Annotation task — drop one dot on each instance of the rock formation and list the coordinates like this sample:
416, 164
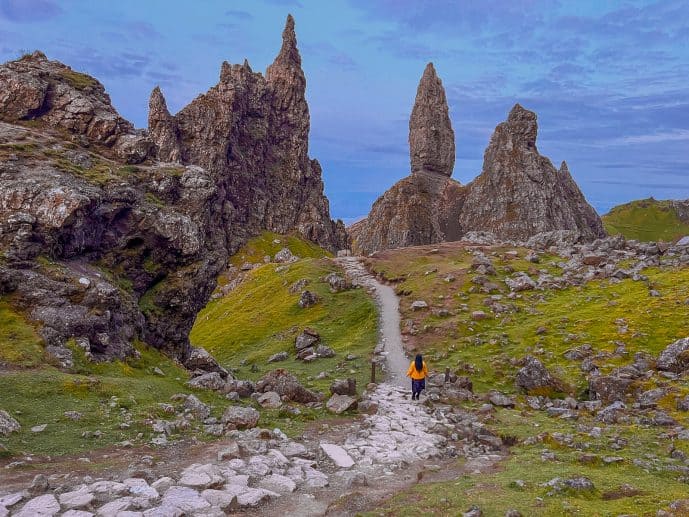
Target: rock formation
101, 254
431, 138
421, 208
519, 193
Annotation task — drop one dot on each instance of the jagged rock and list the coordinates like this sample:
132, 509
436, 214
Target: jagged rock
163, 128
343, 387
501, 400
675, 357
287, 386
431, 138
285, 256
209, 381
308, 299
243, 167
324, 351
242, 388
417, 305
41, 506
340, 403
242, 417
8, 424
280, 356
307, 338
534, 376
336, 282
520, 282
200, 359
514, 194
196, 407
270, 400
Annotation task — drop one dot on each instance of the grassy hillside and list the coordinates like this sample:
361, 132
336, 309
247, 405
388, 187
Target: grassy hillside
646, 220
546, 324
121, 399
261, 317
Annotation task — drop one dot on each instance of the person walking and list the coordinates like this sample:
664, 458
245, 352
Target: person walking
418, 372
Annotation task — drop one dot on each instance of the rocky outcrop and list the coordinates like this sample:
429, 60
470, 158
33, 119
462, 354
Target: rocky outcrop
431, 138
101, 254
423, 207
519, 193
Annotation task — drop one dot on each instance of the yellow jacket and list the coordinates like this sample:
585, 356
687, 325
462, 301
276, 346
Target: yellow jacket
417, 376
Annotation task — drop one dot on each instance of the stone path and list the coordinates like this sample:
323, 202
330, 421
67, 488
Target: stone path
266, 470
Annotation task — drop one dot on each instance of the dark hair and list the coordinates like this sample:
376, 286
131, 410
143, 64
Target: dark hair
418, 363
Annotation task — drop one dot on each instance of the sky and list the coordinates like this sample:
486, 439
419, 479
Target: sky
609, 80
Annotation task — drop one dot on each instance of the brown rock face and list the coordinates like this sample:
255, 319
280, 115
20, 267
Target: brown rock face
519, 193
138, 249
423, 207
431, 138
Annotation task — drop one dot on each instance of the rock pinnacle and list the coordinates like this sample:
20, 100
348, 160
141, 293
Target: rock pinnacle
431, 138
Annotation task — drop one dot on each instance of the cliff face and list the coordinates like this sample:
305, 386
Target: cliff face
519, 193
420, 208
103, 252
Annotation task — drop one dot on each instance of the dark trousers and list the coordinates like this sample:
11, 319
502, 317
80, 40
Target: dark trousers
417, 386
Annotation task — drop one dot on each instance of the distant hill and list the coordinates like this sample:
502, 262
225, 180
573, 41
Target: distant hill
649, 220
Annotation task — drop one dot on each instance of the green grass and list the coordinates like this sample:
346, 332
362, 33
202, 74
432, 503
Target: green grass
78, 80
261, 317
646, 220
20, 345
265, 244
487, 351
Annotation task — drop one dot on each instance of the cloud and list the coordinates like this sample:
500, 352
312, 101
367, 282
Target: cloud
28, 11
678, 135
241, 15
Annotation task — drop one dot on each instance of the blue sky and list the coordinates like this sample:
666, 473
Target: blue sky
608, 79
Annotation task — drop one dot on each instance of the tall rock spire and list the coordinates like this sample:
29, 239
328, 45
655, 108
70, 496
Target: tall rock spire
162, 128
289, 54
431, 138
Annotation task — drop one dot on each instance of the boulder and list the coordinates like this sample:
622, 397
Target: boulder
8, 424
337, 455
675, 357
287, 386
280, 356
200, 359
308, 299
324, 351
41, 506
241, 417
208, 381
200, 410
418, 305
307, 338
269, 400
285, 256
343, 387
533, 376
336, 282
340, 403
609, 388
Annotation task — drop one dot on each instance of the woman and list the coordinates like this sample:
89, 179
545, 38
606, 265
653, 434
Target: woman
418, 372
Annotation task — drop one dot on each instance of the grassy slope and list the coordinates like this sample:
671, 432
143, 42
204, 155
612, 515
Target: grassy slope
485, 349
36, 393
261, 317
645, 220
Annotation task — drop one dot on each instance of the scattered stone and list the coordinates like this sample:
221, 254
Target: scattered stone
338, 455
73, 415
41, 506
209, 381
324, 351
675, 358
242, 417
418, 305
196, 407
307, 338
229, 452
498, 399
534, 376
287, 386
8, 424
225, 500
308, 299
285, 256
81, 498
280, 356
340, 403
39, 428
478, 315
269, 400
336, 282
343, 387
278, 483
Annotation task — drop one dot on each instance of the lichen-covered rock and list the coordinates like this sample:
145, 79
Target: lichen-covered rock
241, 417
675, 358
8, 424
534, 376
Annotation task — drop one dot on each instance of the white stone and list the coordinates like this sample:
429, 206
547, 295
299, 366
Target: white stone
278, 483
338, 455
77, 513
164, 511
115, 507
129, 513
108, 490
84, 281
41, 506
255, 496
39, 428
162, 484
314, 478
4, 512
292, 449
186, 499
10, 500
76, 499
140, 487
202, 476
224, 500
